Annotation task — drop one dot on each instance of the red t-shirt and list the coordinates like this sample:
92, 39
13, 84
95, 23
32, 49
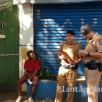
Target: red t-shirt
32, 65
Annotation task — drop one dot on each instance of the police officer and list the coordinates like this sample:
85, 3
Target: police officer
92, 58
68, 70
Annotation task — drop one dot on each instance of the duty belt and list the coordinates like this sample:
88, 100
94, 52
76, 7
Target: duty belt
94, 66
88, 65
73, 67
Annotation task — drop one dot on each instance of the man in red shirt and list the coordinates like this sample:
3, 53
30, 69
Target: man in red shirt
31, 67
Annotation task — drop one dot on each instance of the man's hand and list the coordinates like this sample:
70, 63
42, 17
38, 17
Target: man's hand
61, 57
29, 77
82, 53
33, 75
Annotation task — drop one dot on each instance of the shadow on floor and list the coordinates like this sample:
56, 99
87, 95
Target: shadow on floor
11, 97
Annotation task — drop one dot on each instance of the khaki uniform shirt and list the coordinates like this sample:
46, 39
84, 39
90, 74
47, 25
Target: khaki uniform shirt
68, 47
93, 45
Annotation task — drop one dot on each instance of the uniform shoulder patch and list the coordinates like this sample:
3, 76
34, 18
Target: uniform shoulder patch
100, 41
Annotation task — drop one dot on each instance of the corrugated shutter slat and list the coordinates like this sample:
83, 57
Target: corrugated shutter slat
51, 21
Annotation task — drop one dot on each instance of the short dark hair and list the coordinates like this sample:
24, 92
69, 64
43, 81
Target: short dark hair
85, 29
30, 51
70, 32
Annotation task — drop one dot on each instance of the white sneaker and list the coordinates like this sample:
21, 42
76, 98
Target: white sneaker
19, 99
30, 99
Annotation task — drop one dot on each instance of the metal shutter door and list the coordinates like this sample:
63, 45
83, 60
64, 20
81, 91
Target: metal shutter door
51, 21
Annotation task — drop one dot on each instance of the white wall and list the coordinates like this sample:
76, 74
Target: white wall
25, 34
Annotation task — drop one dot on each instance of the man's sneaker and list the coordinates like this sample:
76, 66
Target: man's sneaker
30, 99
19, 99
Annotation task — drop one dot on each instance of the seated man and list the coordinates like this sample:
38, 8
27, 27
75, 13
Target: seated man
31, 67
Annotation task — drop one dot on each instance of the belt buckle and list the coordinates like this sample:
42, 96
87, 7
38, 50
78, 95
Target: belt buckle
72, 67
69, 67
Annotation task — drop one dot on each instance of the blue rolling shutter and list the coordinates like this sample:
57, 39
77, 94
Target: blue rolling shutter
51, 21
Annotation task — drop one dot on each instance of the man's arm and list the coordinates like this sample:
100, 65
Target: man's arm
79, 60
25, 68
37, 67
26, 73
30, 77
96, 55
35, 72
